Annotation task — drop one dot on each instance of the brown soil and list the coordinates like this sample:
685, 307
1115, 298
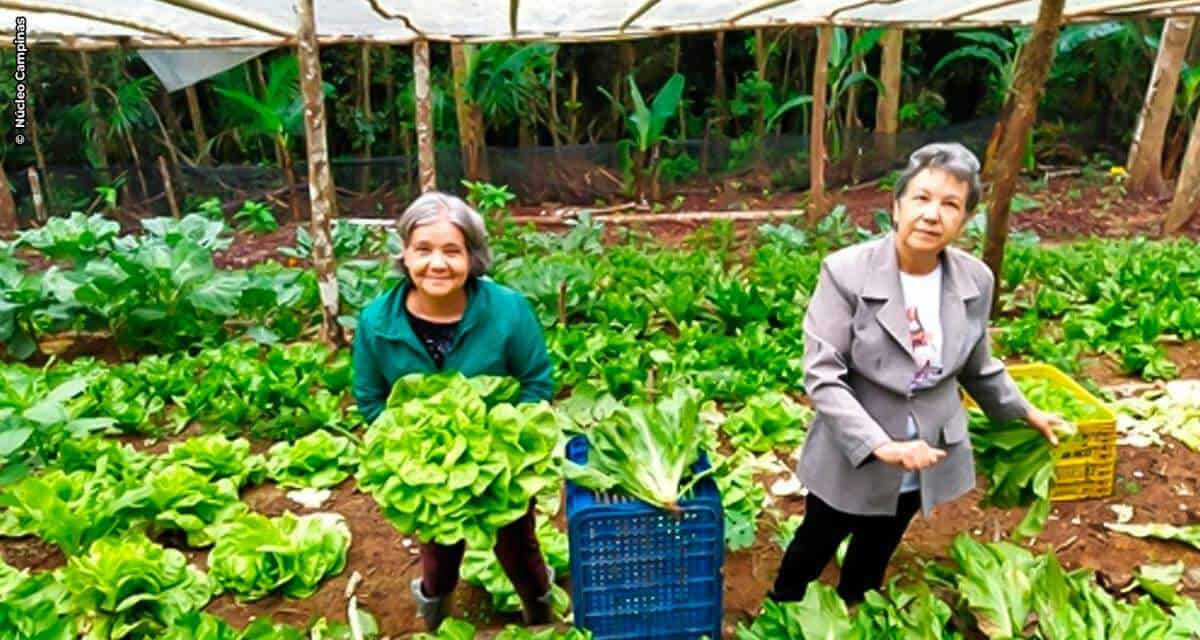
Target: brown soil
1161, 486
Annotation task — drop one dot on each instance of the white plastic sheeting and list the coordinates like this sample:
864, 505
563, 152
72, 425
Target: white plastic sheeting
179, 68
184, 23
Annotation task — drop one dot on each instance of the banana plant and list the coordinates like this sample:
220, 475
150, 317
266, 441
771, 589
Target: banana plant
278, 115
646, 126
842, 54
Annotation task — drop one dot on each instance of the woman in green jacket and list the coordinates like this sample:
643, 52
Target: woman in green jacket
447, 316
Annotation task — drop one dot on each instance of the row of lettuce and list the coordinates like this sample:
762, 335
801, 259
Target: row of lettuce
702, 312
450, 459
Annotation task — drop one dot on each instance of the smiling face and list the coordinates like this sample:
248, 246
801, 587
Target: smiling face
930, 213
437, 259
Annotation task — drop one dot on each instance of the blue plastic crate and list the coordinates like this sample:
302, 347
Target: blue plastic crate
639, 572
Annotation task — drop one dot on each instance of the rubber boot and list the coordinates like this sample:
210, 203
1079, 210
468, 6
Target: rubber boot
433, 610
539, 611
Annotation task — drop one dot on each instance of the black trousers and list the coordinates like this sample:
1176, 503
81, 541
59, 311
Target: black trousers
874, 540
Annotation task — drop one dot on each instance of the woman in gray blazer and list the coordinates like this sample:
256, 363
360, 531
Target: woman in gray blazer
894, 326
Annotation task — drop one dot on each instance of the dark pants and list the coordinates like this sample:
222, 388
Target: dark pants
516, 548
874, 540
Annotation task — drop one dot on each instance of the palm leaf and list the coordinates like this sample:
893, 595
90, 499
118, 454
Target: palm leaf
972, 51
987, 37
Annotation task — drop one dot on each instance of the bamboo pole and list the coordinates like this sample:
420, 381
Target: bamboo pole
1020, 111
320, 180
816, 160
168, 187
426, 157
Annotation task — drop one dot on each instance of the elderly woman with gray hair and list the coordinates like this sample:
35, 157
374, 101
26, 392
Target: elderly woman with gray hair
446, 315
893, 328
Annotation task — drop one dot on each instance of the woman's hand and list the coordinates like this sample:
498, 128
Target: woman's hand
1044, 422
913, 455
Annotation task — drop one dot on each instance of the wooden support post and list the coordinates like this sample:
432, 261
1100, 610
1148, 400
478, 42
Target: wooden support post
1018, 115
470, 116
1146, 151
857, 64
1187, 189
816, 143
426, 157
168, 187
193, 100
719, 91
887, 105
8, 207
320, 181
35, 138
99, 135
35, 189
364, 98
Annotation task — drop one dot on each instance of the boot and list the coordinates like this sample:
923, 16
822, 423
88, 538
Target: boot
433, 610
539, 611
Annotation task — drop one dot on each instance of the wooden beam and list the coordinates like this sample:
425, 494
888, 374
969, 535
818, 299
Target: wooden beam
387, 15
639, 12
1105, 7
758, 8
426, 156
1017, 118
320, 181
816, 145
978, 7
514, 8
854, 6
220, 12
76, 12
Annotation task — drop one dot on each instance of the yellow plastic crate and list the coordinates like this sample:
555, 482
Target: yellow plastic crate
1087, 465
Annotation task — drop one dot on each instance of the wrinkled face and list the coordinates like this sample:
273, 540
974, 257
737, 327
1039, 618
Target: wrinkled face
930, 213
437, 259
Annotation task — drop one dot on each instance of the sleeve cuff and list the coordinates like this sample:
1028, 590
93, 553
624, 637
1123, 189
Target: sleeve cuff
865, 451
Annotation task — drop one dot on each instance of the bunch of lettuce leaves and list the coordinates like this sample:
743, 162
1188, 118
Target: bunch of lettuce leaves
450, 459
130, 587
646, 450
255, 555
318, 460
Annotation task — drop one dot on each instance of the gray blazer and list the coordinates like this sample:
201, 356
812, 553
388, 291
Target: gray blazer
858, 365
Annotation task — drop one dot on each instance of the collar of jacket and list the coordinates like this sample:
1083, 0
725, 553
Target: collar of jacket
400, 329
884, 284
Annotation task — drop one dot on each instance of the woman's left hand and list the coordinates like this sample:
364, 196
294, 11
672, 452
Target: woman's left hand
1044, 422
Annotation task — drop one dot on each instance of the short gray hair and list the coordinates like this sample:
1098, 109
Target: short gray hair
435, 205
951, 157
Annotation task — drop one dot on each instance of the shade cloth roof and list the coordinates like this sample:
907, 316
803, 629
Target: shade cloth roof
217, 23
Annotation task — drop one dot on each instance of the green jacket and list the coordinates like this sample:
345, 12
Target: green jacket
499, 334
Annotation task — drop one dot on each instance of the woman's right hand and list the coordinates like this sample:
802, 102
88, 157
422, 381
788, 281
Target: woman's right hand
913, 455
